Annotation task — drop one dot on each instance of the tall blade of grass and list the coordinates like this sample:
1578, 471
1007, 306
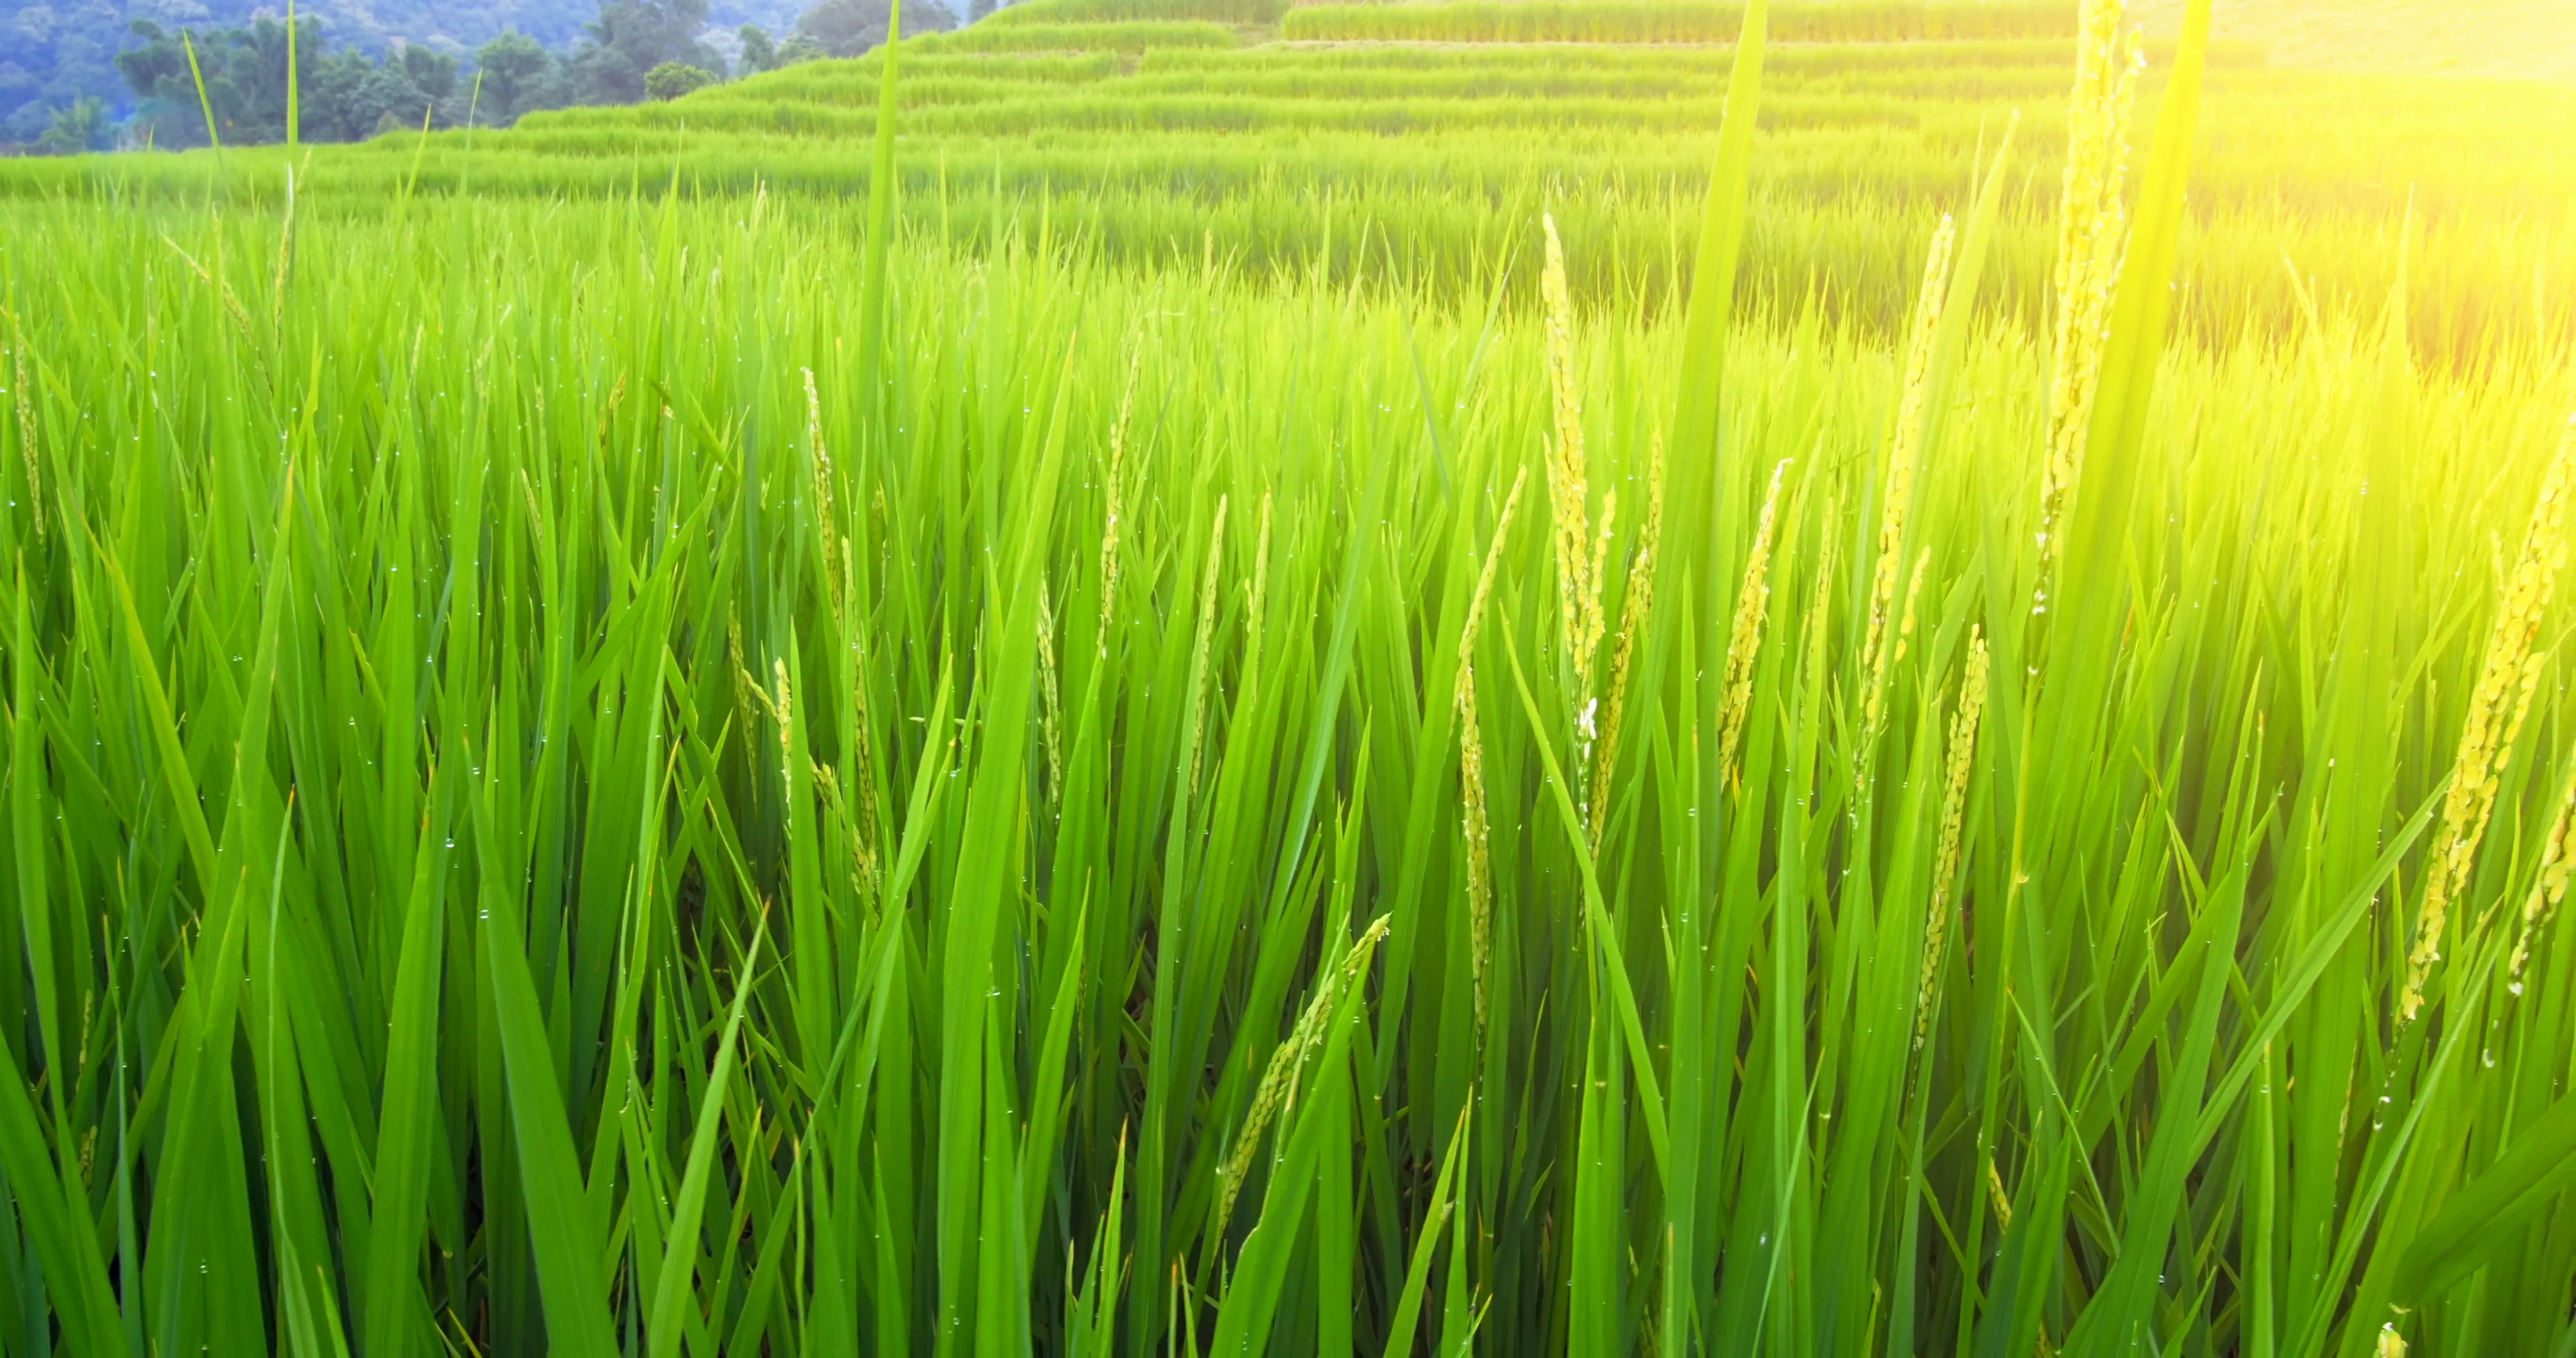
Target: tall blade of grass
1261, 1273
988, 864
395, 1309
1404, 1327
205, 104
2481, 1215
1048, 1094
2124, 1309
57, 1228
2140, 313
873, 301
1699, 456
35, 901
1612, 966
680, 1256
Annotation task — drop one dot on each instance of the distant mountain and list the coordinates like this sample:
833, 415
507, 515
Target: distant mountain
55, 52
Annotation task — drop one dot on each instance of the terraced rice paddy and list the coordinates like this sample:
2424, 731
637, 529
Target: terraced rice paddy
1159, 688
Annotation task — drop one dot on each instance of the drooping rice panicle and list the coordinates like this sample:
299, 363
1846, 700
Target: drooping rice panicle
2092, 237
1896, 497
1744, 640
1113, 491
1279, 1078
1471, 759
2549, 882
1633, 614
1581, 546
1958, 765
2508, 677
1050, 701
1199, 649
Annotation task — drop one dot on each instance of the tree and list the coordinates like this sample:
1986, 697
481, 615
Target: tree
514, 70
430, 71
672, 79
846, 28
80, 127
758, 52
343, 95
629, 39
797, 50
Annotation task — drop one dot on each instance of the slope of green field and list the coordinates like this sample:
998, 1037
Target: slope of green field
1420, 164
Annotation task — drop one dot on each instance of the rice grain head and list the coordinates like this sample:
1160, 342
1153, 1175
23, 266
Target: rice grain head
1744, 640
2507, 681
1277, 1089
1633, 613
1913, 601
1114, 489
1471, 761
1579, 554
825, 503
1051, 705
2093, 232
1962, 760
1206, 636
1897, 496
26, 424
1260, 595
2549, 885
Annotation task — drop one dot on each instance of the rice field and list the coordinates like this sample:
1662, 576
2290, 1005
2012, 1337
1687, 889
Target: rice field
1814, 725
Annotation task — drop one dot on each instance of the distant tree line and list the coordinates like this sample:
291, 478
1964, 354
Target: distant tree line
633, 51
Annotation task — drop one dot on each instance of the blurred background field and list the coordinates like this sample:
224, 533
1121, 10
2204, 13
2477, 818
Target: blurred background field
1130, 720
1409, 145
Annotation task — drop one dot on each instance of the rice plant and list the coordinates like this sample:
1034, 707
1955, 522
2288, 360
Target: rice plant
749, 770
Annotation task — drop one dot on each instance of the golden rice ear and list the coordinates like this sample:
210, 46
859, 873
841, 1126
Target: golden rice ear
1114, 487
1635, 608
1200, 649
2093, 233
1471, 762
1580, 549
1050, 698
1897, 497
2497, 706
1744, 640
1962, 761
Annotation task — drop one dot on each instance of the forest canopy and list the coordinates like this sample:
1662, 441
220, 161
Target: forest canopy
109, 73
